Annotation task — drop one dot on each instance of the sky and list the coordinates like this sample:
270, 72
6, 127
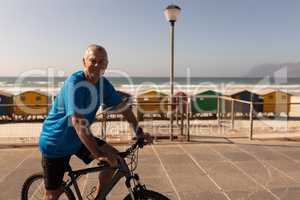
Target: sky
212, 38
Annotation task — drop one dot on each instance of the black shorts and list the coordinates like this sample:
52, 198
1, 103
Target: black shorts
54, 168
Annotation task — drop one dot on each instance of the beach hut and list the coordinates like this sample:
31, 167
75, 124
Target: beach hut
6, 104
276, 102
152, 102
246, 95
180, 102
31, 103
205, 102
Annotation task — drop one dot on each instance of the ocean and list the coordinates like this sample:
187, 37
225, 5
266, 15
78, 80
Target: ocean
119, 81
51, 85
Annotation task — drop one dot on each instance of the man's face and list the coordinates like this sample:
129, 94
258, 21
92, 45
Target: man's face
95, 64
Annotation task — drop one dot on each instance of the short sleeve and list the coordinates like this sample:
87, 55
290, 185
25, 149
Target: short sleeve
111, 97
72, 98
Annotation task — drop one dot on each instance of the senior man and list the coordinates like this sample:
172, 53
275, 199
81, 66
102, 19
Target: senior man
66, 130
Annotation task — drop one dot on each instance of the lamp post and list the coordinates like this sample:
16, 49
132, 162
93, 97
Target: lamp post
172, 12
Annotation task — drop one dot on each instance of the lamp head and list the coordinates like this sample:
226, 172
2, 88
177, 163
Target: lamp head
172, 12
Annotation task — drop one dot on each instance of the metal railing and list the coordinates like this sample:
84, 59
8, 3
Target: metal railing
182, 112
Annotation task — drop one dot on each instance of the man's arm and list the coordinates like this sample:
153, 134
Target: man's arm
144, 138
82, 129
130, 117
124, 108
105, 152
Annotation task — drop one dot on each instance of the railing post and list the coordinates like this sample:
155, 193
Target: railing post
103, 123
251, 121
171, 119
181, 110
103, 126
232, 114
188, 118
177, 108
218, 110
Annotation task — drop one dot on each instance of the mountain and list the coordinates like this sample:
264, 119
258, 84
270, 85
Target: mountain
291, 70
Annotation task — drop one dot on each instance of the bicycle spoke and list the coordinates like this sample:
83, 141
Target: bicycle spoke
38, 190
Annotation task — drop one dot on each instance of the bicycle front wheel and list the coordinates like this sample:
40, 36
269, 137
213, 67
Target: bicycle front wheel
34, 189
147, 195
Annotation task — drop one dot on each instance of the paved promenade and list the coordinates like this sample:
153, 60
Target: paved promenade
206, 169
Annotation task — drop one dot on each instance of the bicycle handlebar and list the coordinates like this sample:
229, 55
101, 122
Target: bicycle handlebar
128, 151
131, 149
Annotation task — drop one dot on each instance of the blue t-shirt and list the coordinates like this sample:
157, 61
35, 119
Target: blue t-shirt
58, 137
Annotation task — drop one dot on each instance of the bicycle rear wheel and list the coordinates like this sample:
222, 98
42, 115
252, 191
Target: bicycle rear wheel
147, 195
34, 189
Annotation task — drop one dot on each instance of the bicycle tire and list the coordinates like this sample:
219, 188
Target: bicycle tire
36, 177
147, 195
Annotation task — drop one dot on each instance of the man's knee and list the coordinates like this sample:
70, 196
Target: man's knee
106, 173
106, 176
52, 194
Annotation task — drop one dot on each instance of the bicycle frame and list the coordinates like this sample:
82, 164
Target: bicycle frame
120, 172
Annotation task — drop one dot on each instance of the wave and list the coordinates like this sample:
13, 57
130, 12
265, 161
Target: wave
189, 89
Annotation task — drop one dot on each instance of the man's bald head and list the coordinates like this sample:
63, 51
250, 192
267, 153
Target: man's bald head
95, 62
93, 49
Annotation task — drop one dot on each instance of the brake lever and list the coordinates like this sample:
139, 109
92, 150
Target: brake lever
128, 151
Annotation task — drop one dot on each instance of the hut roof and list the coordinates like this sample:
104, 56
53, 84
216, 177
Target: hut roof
180, 93
3, 93
230, 92
265, 91
247, 91
269, 91
34, 91
198, 91
208, 92
152, 93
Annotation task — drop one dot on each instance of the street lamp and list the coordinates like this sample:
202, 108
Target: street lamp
171, 13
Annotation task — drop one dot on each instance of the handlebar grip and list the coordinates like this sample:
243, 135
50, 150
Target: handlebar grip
141, 143
129, 150
123, 154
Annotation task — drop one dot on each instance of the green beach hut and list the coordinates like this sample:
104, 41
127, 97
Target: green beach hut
205, 102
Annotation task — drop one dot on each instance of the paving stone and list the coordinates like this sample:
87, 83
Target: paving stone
195, 170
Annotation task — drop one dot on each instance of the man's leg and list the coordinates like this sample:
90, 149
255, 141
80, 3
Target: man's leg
54, 170
106, 176
52, 194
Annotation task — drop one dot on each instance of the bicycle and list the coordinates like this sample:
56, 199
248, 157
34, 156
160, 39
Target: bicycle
136, 192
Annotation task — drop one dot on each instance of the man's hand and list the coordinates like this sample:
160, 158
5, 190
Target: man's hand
148, 139
143, 138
